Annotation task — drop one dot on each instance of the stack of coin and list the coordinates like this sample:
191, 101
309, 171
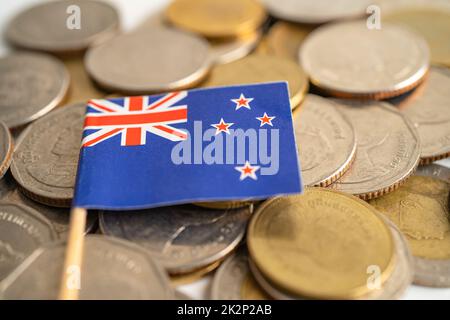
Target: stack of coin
187, 240
231, 26
420, 209
323, 244
326, 244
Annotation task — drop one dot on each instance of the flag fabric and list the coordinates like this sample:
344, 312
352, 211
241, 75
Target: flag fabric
215, 144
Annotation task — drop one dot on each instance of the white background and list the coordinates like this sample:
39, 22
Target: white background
132, 13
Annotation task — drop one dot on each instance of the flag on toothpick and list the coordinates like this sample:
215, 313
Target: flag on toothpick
214, 144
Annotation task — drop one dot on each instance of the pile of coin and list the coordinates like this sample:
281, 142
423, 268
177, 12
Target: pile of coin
370, 108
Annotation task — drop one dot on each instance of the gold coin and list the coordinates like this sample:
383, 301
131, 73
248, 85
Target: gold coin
181, 279
229, 50
284, 39
258, 69
218, 18
320, 244
433, 24
419, 209
251, 290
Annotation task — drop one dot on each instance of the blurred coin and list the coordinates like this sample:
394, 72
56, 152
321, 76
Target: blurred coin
153, 60
258, 69
229, 50
403, 273
52, 26
320, 244
317, 11
181, 296
218, 18
326, 141
82, 88
284, 39
183, 238
58, 217
22, 230
182, 279
420, 209
6, 149
349, 60
45, 160
387, 152
233, 280
429, 110
31, 84
112, 269
431, 23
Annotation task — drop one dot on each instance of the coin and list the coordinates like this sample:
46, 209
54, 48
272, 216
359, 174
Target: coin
402, 274
387, 152
226, 51
182, 279
430, 112
45, 161
259, 69
22, 230
349, 60
112, 269
183, 238
58, 217
431, 23
320, 244
318, 11
153, 60
393, 288
284, 39
326, 141
6, 149
63, 26
82, 88
217, 19
234, 281
420, 209
31, 84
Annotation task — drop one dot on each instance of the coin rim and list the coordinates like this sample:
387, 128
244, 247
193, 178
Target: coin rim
6, 162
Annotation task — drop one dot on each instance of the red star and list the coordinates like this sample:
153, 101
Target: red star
265, 119
242, 102
222, 126
248, 171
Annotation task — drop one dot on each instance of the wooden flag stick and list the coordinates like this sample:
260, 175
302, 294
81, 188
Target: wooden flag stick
71, 278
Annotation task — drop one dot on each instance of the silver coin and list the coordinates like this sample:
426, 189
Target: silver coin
234, 281
183, 238
45, 160
317, 11
112, 269
31, 84
63, 26
153, 60
326, 141
58, 217
387, 153
226, 51
433, 272
352, 61
22, 230
6, 149
429, 110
